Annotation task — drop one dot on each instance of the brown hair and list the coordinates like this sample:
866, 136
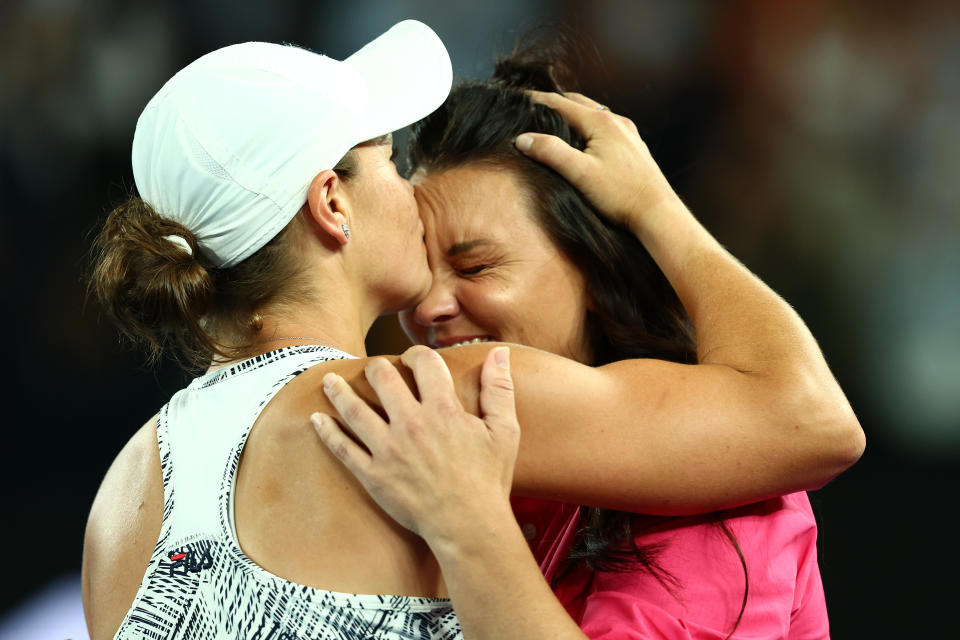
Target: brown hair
170, 302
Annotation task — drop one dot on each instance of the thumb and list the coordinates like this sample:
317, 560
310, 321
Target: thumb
497, 404
555, 153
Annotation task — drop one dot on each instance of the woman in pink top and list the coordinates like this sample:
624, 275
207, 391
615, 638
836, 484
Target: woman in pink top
519, 256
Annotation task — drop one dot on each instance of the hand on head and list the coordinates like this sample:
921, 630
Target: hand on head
615, 171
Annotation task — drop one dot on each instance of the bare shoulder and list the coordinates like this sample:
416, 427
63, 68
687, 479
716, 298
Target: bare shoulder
122, 531
302, 516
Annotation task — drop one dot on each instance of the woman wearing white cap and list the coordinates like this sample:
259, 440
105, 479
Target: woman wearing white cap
273, 229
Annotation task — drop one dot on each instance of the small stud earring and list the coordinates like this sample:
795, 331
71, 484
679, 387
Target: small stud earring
346, 231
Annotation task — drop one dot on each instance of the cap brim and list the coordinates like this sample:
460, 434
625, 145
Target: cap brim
408, 75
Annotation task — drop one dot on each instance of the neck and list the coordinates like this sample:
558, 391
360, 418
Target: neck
337, 314
342, 328
325, 329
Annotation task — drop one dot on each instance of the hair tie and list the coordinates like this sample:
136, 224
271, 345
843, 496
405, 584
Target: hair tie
181, 242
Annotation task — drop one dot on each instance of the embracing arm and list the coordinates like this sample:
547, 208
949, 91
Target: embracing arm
651, 436
760, 415
663, 438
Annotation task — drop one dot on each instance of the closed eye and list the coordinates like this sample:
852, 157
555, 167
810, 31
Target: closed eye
472, 271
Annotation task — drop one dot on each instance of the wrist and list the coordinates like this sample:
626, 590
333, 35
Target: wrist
472, 535
664, 216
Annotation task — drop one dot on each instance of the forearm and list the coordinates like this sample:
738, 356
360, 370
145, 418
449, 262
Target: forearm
495, 585
760, 414
741, 323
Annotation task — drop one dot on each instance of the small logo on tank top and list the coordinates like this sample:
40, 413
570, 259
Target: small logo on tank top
189, 561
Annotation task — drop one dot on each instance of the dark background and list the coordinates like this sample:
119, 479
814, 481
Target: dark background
819, 141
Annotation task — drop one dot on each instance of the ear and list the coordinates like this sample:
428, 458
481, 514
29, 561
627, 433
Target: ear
327, 204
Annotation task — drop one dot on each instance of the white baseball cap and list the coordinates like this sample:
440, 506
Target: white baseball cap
229, 145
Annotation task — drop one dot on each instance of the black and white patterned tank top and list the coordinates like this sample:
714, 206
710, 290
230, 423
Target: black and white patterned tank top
199, 585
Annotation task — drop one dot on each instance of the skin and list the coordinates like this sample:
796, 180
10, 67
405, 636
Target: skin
391, 241
381, 268
302, 514
496, 275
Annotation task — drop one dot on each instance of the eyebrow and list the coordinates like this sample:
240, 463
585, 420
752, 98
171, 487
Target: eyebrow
462, 247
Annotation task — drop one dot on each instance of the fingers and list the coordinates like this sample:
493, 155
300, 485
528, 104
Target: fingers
592, 104
391, 389
346, 450
497, 403
583, 113
356, 414
434, 382
579, 115
582, 99
570, 163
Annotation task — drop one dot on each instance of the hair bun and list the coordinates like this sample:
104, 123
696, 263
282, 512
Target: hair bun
526, 74
147, 277
547, 59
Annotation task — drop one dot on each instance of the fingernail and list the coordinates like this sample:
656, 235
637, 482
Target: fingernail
329, 380
317, 420
523, 141
501, 356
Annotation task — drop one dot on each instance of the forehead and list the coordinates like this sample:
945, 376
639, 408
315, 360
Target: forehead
460, 203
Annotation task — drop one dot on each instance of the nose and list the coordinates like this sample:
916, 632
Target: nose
440, 305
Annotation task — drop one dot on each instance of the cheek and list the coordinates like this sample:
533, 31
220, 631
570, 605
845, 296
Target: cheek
492, 304
554, 308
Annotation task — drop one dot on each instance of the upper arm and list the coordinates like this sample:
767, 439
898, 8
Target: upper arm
653, 436
122, 531
665, 438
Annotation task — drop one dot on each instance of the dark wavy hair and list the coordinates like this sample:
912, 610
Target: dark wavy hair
635, 312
